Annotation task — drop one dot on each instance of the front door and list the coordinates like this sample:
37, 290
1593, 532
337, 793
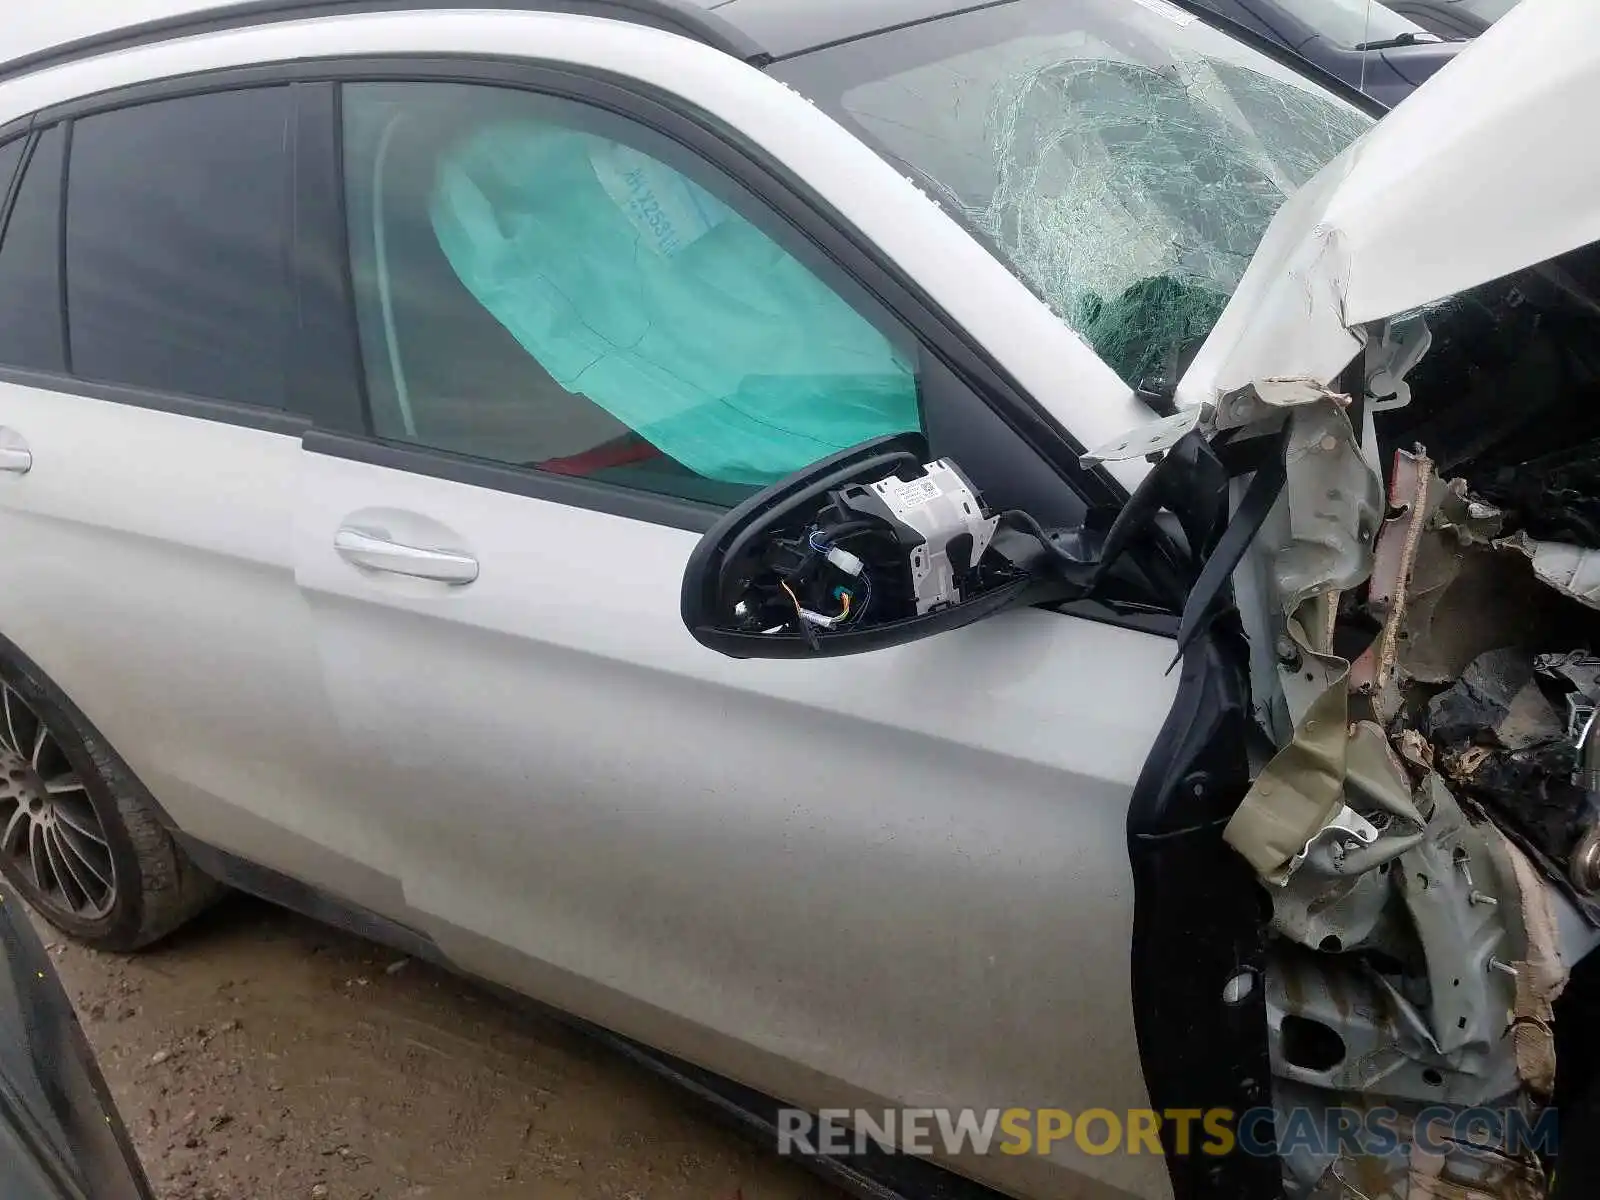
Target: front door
897, 878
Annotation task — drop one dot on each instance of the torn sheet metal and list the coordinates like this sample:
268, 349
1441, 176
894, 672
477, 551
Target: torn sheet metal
1157, 437
1571, 570
1333, 502
1256, 402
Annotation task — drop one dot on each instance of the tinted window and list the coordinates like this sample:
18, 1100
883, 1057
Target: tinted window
10, 160
178, 246
545, 285
30, 261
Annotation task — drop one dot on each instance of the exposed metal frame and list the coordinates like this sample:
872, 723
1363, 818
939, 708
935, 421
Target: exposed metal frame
674, 16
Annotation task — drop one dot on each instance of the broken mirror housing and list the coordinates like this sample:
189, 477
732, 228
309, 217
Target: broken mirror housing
873, 547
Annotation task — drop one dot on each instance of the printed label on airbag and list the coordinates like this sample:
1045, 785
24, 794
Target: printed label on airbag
669, 211
917, 493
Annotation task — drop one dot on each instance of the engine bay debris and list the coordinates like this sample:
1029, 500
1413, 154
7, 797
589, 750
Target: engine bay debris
1428, 830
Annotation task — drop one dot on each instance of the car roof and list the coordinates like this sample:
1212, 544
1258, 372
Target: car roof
758, 30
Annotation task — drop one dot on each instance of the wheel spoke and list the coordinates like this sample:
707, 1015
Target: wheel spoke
10, 731
71, 890
68, 814
77, 868
40, 737
64, 783
75, 851
36, 855
14, 825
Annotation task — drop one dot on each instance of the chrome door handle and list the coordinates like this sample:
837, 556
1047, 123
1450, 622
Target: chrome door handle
379, 554
15, 456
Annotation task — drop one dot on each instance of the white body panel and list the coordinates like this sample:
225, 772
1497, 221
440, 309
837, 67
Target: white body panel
152, 578
548, 760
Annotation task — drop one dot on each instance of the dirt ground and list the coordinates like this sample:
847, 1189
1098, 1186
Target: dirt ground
257, 1055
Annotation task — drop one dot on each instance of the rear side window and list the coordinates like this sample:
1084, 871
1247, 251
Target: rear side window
178, 246
10, 160
30, 259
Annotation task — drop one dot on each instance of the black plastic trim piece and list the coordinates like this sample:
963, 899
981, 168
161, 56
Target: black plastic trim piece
1198, 903
872, 1175
1102, 612
570, 490
673, 16
270, 420
327, 382
224, 79
722, 555
62, 197
1019, 594
308, 901
14, 184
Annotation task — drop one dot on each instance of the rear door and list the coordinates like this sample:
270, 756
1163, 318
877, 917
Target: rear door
149, 458
896, 877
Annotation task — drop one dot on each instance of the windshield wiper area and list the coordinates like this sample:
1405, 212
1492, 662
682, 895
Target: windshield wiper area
1401, 39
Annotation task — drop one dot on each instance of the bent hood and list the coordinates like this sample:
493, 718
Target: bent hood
1485, 170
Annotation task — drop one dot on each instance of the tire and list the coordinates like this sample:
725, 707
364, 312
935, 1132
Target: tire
72, 813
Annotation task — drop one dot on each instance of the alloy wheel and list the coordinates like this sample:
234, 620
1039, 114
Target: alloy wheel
49, 830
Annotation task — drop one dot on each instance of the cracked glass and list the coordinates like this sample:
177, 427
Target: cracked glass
1120, 156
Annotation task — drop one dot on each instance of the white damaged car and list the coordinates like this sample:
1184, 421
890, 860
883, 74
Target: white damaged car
843, 545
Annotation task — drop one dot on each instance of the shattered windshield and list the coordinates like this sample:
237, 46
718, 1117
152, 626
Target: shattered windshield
1121, 157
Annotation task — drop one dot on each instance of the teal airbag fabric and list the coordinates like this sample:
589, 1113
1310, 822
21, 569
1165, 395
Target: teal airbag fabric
638, 289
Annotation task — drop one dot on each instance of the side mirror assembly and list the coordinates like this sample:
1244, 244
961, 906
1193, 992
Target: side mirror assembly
873, 547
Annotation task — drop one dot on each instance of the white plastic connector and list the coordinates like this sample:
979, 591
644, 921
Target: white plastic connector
845, 561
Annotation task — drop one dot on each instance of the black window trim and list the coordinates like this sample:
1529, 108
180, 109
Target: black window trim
8, 197
342, 434
61, 243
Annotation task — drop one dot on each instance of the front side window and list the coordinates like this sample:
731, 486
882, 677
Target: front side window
546, 285
178, 246
1120, 156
